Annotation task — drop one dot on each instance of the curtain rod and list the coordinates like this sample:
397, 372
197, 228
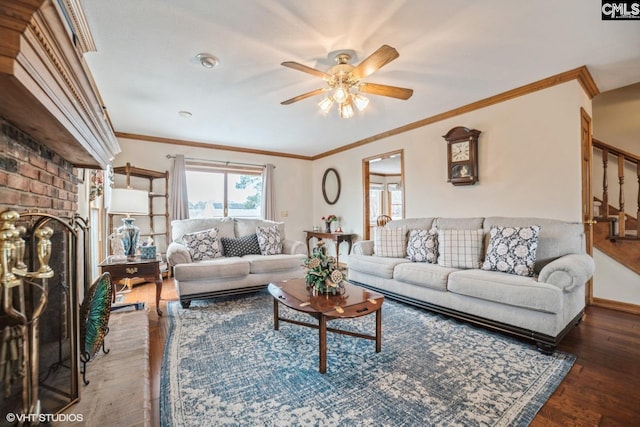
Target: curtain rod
224, 162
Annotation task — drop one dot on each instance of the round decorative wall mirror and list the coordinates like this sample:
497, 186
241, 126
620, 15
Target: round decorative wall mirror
331, 186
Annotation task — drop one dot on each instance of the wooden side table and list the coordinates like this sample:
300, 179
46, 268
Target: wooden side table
148, 269
337, 238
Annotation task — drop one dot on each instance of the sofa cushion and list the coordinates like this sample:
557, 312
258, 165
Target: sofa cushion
458, 223
423, 274
203, 244
556, 238
248, 226
219, 268
460, 248
273, 263
508, 289
180, 227
375, 266
390, 242
241, 246
512, 250
270, 240
412, 223
423, 246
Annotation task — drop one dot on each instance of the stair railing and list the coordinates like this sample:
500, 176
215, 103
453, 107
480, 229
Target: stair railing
623, 158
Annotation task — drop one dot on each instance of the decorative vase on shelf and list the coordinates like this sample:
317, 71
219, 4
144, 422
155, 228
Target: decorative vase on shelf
327, 227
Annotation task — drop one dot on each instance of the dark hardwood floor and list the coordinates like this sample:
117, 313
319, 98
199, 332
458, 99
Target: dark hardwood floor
602, 389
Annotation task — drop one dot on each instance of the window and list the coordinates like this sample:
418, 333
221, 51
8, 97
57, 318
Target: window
375, 201
216, 191
395, 199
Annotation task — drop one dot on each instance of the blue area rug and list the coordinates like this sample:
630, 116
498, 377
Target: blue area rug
225, 365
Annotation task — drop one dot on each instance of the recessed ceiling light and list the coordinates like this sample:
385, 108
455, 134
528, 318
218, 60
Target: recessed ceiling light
207, 61
185, 114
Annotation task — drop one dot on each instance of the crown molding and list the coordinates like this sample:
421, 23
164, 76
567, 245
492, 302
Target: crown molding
581, 74
186, 143
79, 25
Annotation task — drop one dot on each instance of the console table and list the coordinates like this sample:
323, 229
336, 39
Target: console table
148, 269
337, 238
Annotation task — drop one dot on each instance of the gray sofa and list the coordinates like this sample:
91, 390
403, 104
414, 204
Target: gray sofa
542, 308
223, 274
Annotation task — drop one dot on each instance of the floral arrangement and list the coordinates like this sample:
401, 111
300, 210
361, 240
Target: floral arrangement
327, 222
322, 272
329, 219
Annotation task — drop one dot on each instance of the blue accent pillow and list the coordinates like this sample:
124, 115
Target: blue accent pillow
241, 246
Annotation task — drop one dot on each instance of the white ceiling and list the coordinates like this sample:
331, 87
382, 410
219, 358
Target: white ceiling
452, 53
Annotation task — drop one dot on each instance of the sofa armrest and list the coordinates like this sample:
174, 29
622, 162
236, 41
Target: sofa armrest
363, 247
568, 272
293, 247
178, 254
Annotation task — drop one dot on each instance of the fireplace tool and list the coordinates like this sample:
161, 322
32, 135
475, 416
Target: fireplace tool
20, 349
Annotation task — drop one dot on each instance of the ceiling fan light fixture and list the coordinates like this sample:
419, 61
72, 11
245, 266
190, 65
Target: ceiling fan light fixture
360, 101
207, 61
346, 110
326, 104
341, 93
344, 81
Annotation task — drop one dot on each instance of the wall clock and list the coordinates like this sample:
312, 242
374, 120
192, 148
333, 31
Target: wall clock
462, 155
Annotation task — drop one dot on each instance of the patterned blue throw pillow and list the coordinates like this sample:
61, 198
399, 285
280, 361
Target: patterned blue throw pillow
247, 245
512, 250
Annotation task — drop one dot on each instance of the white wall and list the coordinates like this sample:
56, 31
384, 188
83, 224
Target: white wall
292, 177
613, 281
616, 118
529, 163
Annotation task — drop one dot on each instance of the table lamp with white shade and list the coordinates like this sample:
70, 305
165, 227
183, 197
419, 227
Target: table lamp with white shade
127, 201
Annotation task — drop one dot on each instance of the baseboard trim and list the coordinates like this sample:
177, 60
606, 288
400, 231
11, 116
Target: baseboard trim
616, 305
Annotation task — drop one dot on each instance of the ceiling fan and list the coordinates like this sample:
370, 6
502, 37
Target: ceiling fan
344, 82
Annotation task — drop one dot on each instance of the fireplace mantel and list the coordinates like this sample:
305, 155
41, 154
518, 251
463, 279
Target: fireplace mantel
46, 88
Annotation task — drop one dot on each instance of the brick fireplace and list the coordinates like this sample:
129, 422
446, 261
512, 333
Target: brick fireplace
32, 177
52, 125
35, 179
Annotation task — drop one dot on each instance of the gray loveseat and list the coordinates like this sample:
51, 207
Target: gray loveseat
542, 307
241, 268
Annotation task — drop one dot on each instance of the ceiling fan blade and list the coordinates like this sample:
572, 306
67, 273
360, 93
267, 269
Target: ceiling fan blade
305, 69
384, 90
375, 61
303, 96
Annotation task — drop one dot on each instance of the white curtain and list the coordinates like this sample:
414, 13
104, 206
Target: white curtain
178, 200
268, 196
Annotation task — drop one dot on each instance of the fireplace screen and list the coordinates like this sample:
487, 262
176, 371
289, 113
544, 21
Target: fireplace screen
41, 275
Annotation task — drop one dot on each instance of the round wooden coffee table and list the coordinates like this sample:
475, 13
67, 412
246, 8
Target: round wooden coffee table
356, 302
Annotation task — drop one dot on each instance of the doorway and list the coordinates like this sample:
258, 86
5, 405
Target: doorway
383, 188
